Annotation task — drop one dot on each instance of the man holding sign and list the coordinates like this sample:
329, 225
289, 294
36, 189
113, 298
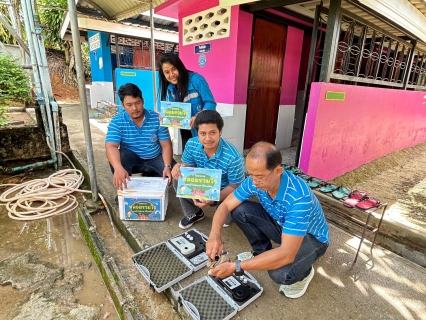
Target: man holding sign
209, 151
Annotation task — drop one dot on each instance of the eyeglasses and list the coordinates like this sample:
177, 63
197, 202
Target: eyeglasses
261, 181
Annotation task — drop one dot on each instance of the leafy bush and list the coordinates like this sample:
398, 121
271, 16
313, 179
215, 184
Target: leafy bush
14, 85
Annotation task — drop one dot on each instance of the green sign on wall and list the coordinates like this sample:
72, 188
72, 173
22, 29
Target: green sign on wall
335, 96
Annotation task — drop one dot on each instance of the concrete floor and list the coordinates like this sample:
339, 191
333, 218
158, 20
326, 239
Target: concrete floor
394, 288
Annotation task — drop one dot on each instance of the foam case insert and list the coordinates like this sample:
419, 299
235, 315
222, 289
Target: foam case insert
168, 262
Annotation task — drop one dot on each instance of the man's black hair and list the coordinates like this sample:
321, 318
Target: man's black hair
267, 151
129, 89
209, 116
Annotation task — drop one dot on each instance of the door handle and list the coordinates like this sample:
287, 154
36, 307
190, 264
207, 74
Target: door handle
252, 87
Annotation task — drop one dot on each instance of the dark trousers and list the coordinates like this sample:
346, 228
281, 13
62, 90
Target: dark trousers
259, 228
132, 163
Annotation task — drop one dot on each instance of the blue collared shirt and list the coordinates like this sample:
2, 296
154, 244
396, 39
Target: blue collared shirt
295, 207
227, 158
144, 141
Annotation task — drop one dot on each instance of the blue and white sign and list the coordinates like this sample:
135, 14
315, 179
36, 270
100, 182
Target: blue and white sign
203, 48
202, 60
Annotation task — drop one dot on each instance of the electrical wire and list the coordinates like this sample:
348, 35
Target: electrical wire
43, 198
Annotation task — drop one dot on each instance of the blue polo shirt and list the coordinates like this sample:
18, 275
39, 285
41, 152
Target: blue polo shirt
144, 141
295, 207
227, 158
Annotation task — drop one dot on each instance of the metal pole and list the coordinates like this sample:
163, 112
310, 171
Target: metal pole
82, 93
331, 40
154, 82
308, 80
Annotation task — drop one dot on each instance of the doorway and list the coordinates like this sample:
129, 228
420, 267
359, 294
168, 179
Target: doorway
264, 82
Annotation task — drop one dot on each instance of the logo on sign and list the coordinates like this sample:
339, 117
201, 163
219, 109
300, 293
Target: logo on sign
202, 60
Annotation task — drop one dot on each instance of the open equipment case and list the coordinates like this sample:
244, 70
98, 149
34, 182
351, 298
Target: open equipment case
168, 262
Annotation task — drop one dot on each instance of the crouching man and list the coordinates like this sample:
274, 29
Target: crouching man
288, 214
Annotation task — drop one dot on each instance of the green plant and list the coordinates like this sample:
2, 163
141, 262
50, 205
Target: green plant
14, 85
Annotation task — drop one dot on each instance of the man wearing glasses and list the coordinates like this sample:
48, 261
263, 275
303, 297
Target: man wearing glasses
289, 214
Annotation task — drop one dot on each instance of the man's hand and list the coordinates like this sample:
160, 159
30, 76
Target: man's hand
120, 178
202, 203
167, 173
214, 246
223, 270
176, 171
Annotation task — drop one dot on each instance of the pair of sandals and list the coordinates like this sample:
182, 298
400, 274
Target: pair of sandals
312, 181
361, 200
338, 192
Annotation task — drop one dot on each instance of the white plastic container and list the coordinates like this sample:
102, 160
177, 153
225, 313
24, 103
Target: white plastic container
145, 199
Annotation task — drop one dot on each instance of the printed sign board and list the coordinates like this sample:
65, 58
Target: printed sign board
175, 114
199, 183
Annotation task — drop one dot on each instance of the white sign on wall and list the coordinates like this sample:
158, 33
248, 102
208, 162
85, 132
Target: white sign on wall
95, 42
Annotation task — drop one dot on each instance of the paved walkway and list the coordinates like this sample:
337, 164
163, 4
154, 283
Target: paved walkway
394, 288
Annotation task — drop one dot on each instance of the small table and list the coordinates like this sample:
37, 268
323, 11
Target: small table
367, 228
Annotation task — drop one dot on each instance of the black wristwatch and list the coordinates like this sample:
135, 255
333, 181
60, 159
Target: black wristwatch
238, 270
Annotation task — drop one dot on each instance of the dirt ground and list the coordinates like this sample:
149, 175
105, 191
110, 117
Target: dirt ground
398, 178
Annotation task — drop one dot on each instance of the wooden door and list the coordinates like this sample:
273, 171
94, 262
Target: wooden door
264, 82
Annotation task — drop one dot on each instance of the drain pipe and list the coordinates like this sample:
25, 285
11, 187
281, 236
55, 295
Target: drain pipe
29, 19
37, 82
72, 10
27, 167
47, 85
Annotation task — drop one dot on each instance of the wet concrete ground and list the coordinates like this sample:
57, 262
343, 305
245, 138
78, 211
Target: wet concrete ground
48, 272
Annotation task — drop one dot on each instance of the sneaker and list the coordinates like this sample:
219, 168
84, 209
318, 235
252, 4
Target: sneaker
245, 256
188, 221
298, 289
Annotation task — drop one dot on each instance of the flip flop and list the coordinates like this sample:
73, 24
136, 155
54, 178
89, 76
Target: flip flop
358, 194
293, 170
315, 182
341, 192
368, 203
350, 203
328, 188
305, 177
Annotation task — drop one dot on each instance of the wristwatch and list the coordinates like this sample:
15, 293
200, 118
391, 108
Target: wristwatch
167, 166
238, 270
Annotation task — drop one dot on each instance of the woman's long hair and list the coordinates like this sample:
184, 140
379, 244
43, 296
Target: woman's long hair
183, 79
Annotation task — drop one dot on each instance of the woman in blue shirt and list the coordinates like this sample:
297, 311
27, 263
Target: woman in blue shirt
177, 84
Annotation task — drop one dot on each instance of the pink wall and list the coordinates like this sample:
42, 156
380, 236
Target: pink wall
293, 53
370, 123
173, 8
221, 64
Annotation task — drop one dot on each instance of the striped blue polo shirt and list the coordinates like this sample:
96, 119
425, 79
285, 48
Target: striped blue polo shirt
295, 207
144, 141
227, 158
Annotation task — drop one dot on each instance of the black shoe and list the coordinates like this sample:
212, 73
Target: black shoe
188, 221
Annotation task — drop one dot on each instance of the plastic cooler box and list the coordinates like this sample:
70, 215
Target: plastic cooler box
145, 199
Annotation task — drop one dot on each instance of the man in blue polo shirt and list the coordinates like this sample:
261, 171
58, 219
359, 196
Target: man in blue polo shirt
135, 142
209, 151
289, 214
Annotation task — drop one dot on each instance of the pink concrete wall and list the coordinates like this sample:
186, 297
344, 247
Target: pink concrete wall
221, 61
242, 58
173, 8
370, 123
291, 66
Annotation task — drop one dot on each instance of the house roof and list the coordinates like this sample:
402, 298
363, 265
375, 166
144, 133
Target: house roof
119, 10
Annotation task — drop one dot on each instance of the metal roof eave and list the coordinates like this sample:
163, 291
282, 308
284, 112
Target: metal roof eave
87, 23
